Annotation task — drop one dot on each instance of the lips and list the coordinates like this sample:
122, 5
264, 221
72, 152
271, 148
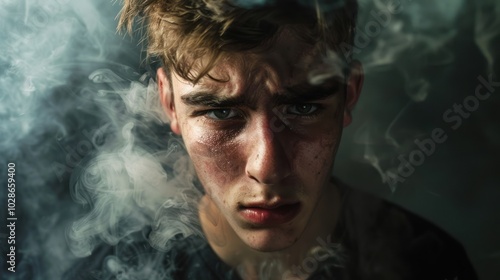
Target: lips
262, 214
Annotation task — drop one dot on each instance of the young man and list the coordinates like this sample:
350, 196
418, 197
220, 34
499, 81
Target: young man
260, 93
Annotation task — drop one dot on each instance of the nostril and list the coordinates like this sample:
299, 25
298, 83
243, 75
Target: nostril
267, 178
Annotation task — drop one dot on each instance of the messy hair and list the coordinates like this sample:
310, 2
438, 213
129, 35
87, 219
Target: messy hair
182, 32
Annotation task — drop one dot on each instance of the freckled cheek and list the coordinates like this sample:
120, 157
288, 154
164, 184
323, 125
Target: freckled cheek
216, 156
314, 159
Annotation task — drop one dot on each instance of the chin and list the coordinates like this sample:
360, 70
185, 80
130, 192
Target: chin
269, 240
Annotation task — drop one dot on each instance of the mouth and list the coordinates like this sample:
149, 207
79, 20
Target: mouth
262, 214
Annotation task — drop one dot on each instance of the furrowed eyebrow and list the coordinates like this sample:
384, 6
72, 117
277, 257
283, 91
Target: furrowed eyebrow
211, 99
306, 92
295, 94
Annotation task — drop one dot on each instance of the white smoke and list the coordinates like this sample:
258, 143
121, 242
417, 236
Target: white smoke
408, 37
96, 162
83, 128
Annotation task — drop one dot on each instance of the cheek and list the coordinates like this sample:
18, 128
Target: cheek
216, 155
313, 157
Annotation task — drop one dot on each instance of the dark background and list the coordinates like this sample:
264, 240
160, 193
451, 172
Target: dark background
62, 62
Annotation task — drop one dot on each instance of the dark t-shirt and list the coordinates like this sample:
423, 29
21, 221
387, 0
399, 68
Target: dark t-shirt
379, 240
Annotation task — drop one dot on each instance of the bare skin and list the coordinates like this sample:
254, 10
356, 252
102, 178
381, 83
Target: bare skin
264, 138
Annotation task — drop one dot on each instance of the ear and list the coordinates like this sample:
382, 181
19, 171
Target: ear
167, 99
354, 86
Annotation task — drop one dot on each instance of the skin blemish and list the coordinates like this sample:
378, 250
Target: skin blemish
267, 149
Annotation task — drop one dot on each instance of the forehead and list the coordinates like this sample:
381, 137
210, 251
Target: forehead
288, 62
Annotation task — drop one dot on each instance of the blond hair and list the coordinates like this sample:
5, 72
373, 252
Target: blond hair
182, 32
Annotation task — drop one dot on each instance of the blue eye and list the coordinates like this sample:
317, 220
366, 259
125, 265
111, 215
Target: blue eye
302, 109
221, 114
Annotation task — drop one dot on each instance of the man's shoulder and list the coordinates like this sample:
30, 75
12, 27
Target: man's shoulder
382, 233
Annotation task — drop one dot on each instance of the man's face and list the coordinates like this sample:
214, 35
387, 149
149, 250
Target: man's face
263, 139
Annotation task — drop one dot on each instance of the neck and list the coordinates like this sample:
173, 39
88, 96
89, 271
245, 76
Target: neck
251, 263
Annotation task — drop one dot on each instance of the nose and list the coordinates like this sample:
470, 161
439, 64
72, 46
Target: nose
267, 162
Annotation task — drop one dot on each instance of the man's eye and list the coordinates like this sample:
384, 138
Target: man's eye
221, 114
302, 109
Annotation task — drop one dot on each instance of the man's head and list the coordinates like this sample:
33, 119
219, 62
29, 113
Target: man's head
190, 36
260, 99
